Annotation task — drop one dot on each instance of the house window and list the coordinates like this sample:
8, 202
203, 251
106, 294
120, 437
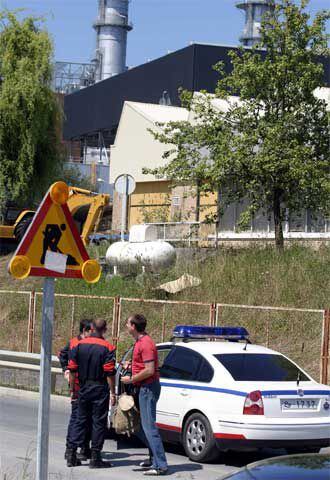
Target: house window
176, 201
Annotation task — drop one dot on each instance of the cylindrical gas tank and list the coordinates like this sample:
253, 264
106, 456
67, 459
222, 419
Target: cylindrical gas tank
154, 256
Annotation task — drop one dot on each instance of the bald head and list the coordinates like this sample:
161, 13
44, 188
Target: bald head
99, 326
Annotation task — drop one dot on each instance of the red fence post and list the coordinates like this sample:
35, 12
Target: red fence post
116, 321
213, 312
324, 374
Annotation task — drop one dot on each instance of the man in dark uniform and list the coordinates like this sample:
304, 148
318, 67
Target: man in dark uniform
63, 356
94, 360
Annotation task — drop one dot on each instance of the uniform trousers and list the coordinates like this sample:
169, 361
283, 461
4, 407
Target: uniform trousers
93, 403
72, 423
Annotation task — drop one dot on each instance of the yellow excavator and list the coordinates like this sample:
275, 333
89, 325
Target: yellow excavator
87, 208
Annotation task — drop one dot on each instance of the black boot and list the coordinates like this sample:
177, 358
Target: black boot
97, 462
66, 453
84, 454
71, 459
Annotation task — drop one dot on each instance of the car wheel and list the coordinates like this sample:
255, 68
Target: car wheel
198, 440
22, 227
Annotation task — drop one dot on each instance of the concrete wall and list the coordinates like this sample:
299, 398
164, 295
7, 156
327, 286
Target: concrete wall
17, 377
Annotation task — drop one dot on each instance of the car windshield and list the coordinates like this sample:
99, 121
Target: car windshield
265, 367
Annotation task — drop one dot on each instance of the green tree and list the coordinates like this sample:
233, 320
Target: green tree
70, 174
30, 115
271, 147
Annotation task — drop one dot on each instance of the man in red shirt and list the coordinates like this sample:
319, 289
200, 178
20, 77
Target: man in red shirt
145, 375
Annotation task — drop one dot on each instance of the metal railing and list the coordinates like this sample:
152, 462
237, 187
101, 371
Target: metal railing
193, 233
188, 232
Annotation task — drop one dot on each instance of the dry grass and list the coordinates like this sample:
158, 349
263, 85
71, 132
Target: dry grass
299, 277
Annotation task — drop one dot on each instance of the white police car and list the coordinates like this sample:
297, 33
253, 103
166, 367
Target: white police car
227, 395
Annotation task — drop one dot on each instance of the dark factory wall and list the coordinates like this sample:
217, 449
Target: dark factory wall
99, 107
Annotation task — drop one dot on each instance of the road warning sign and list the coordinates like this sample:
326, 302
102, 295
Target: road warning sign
52, 247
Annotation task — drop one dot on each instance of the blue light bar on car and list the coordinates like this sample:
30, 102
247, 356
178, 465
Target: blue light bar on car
196, 331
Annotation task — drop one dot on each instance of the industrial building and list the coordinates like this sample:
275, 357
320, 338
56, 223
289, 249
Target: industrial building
111, 117
154, 199
92, 114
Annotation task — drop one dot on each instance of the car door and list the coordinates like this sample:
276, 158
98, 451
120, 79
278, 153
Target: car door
177, 373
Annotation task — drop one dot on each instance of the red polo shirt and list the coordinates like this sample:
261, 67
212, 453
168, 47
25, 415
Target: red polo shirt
145, 351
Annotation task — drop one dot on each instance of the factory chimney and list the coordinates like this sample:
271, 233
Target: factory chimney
111, 28
254, 10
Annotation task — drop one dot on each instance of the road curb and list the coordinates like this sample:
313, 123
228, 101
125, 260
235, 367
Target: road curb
15, 393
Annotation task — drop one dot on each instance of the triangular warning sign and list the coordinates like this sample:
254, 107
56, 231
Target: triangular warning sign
52, 247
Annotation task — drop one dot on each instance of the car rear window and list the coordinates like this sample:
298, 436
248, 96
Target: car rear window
251, 367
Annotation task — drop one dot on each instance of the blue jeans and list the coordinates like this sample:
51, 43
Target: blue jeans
148, 398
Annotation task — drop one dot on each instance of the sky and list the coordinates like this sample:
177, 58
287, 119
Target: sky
160, 26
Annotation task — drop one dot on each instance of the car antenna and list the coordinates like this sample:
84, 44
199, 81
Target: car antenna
298, 378
246, 344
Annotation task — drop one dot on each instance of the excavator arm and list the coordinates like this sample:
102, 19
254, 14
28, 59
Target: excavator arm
87, 209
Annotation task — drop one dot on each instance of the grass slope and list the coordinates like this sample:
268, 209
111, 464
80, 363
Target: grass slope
298, 277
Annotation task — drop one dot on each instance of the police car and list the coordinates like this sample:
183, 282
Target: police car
220, 392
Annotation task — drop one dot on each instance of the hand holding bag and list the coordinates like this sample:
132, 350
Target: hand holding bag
126, 420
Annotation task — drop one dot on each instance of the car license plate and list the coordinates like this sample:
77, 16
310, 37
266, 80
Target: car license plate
299, 404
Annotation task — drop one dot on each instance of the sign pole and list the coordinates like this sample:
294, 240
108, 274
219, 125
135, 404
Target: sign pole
124, 209
51, 247
124, 185
45, 378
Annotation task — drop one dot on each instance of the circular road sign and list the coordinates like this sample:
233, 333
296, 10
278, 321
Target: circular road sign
125, 184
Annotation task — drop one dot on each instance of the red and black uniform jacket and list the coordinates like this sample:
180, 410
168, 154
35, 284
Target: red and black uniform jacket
63, 356
94, 360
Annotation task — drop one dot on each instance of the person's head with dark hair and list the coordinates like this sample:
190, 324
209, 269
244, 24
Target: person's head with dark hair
85, 327
99, 326
136, 324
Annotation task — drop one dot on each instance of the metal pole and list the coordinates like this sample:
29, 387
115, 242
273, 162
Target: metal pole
72, 317
217, 223
116, 321
163, 323
124, 210
45, 379
324, 374
31, 321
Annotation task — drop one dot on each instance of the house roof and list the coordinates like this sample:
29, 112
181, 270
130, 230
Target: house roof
160, 113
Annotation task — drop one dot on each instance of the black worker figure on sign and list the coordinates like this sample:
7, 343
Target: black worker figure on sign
53, 234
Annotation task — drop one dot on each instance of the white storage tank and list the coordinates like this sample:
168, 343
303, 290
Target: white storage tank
153, 256
143, 233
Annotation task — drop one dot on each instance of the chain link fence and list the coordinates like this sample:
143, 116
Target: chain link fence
69, 310
301, 334
162, 317
297, 333
13, 307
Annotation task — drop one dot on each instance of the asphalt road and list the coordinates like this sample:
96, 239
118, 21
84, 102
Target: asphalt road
18, 425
